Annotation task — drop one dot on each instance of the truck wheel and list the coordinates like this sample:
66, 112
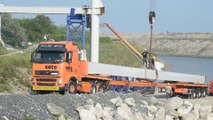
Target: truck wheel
207, 91
72, 87
203, 93
93, 88
198, 93
193, 95
101, 88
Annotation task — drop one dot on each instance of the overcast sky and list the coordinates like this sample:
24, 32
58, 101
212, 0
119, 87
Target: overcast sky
131, 16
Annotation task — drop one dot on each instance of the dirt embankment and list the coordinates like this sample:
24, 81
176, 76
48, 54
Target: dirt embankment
178, 44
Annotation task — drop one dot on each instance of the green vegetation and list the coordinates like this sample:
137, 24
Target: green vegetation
12, 33
8, 64
4, 87
3, 50
8, 70
18, 32
116, 53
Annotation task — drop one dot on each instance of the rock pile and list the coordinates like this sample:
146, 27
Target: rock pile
173, 109
100, 106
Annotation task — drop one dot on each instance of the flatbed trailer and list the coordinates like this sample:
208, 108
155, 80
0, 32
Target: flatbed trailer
191, 90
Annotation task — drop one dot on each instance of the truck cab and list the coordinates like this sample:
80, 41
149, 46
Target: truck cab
55, 64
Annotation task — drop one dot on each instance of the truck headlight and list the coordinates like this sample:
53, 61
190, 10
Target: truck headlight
54, 73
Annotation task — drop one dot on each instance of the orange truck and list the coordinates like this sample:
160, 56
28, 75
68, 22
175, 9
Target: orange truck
58, 67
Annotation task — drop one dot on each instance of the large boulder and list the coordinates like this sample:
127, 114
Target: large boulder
174, 103
89, 102
144, 103
190, 116
153, 101
86, 114
130, 102
62, 117
55, 110
125, 112
205, 110
197, 107
169, 117
98, 110
160, 114
185, 108
117, 101
107, 114
209, 116
138, 116
152, 109
173, 113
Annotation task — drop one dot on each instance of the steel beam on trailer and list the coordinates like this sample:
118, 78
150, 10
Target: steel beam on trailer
106, 69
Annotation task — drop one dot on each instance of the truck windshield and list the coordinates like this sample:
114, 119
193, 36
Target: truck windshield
48, 57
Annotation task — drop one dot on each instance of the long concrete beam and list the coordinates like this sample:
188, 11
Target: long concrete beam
106, 69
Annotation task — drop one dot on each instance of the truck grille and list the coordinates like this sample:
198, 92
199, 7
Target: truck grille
44, 72
46, 82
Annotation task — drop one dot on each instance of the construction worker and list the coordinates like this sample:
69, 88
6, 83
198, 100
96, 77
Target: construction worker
168, 91
145, 57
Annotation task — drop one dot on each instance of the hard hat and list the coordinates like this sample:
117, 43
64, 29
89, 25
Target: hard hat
145, 49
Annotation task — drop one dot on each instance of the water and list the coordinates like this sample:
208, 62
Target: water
202, 66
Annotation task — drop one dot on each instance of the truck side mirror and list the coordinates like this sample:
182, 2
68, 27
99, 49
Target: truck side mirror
69, 57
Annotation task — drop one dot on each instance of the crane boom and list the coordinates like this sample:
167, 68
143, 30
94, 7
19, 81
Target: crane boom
126, 43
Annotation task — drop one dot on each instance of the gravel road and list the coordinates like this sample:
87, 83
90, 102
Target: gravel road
20, 106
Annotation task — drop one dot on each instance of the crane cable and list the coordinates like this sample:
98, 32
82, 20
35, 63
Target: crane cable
152, 6
152, 17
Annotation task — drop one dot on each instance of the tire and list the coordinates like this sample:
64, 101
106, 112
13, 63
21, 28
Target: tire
72, 87
198, 93
101, 88
203, 93
193, 95
93, 88
207, 92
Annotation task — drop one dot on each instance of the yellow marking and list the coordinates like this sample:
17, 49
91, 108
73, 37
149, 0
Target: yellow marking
52, 88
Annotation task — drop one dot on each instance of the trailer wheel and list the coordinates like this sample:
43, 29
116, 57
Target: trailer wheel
203, 93
207, 91
193, 95
198, 93
93, 88
72, 87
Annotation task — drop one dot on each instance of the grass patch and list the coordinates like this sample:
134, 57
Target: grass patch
4, 87
9, 63
3, 50
118, 54
115, 52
